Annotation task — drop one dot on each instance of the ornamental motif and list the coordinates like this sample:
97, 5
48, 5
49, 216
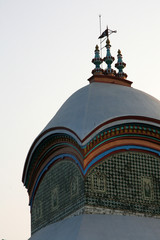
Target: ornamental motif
147, 188
98, 182
74, 186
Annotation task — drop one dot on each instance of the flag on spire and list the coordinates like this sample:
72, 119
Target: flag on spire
106, 33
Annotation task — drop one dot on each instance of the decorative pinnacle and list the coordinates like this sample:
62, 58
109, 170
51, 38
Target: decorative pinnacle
120, 65
109, 59
97, 61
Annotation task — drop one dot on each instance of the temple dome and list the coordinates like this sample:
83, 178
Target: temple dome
98, 103
97, 160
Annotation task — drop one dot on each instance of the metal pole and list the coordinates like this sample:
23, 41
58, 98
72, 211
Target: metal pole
100, 35
100, 26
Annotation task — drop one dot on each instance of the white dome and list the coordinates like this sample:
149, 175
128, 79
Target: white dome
98, 103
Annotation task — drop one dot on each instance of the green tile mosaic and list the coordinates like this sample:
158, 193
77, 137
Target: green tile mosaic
126, 181
60, 193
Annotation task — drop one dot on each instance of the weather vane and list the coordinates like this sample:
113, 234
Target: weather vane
106, 33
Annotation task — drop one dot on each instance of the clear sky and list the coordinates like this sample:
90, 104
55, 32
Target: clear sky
46, 47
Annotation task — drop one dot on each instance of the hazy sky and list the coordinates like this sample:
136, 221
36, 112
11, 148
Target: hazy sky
46, 47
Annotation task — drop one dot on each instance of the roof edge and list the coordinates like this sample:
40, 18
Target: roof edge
110, 79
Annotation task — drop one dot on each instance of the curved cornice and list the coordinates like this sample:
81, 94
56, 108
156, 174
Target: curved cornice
83, 142
145, 136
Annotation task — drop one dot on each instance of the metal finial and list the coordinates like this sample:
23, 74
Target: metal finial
119, 51
108, 43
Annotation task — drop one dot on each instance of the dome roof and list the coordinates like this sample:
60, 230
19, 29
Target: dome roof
99, 103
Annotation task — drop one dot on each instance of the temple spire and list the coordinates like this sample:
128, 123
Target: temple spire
120, 65
97, 61
109, 59
108, 75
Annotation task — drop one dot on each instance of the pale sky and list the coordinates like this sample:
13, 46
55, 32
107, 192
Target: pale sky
46, 48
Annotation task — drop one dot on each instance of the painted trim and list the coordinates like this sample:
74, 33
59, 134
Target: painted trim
117, 137
125, 147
